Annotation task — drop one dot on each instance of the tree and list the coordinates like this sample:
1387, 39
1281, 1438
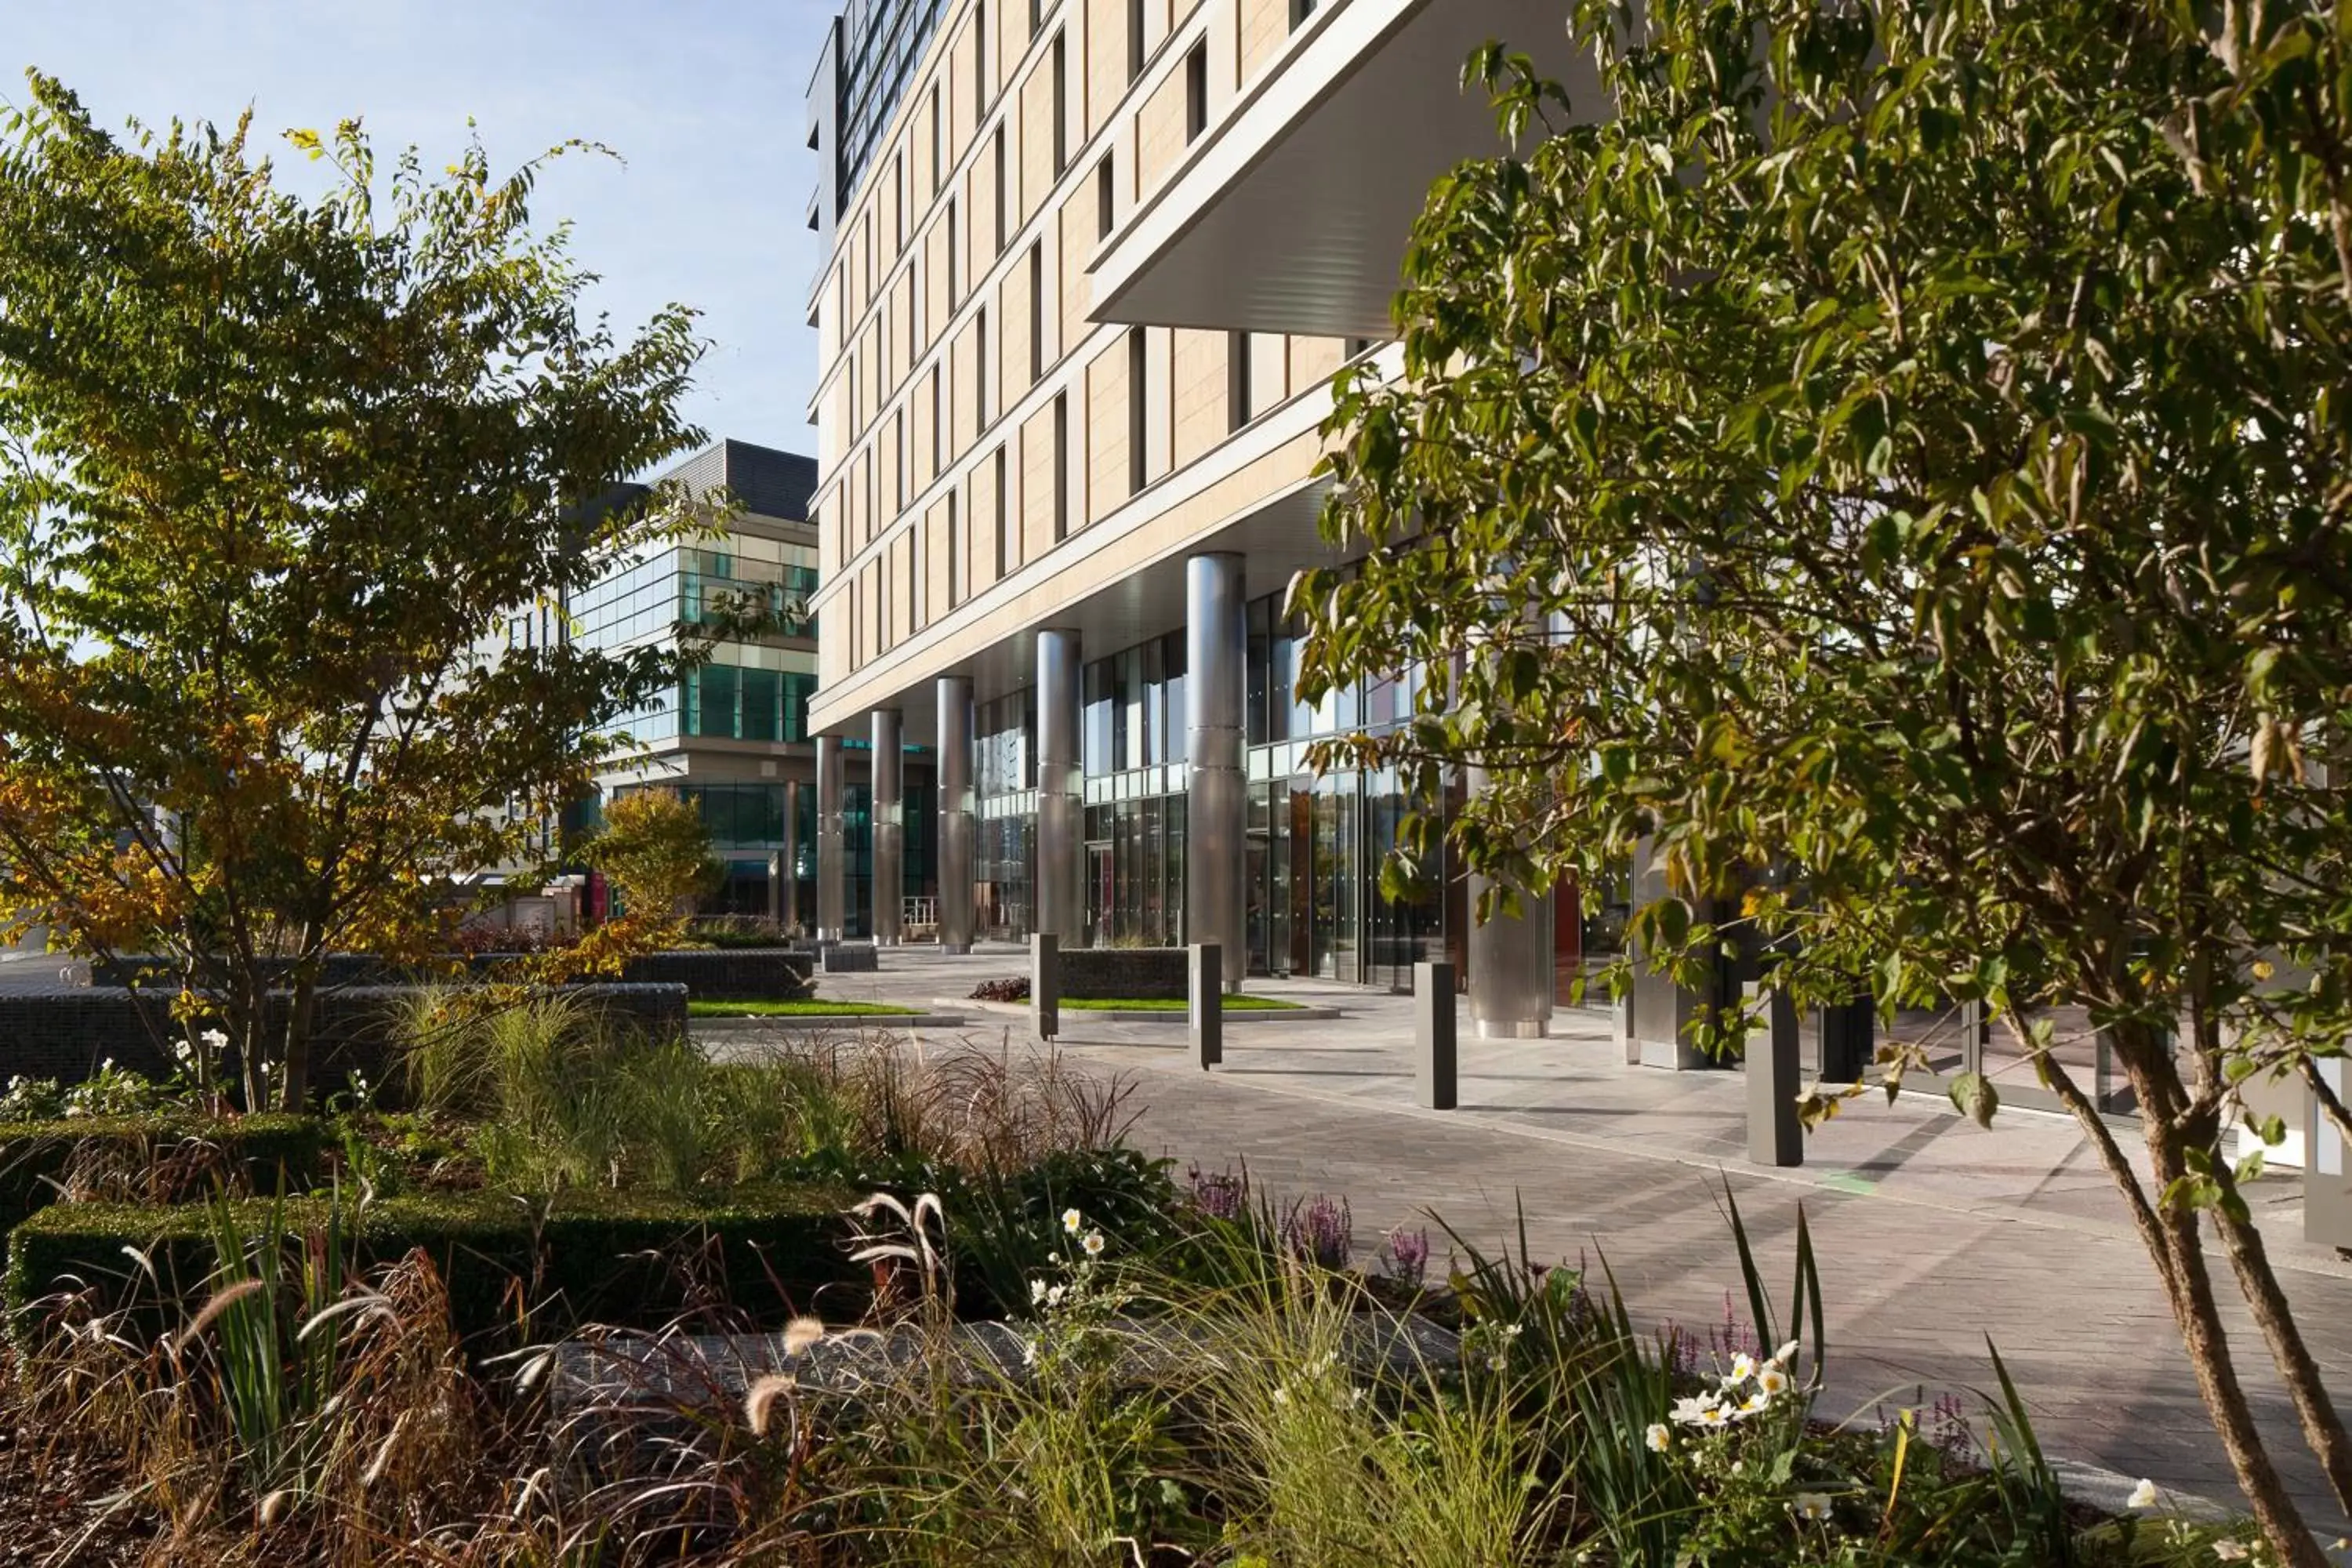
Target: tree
278, 473
1892, 471
655, 848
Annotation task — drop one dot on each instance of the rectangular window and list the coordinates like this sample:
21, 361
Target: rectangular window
1196, 91
938, 143
1237, 381
979, 62
899, 217
1134, 39
980, 368
1061, 467
999, 155
899, 441
1106, 199
955, 281
1137, 428
1299, 11
955, 554
1003, 519
939, 423
1036, 310
1061, 107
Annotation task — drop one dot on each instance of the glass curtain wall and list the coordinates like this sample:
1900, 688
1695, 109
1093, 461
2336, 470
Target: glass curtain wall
1004, 834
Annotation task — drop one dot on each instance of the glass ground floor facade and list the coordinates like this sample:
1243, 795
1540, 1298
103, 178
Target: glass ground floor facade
1315, 847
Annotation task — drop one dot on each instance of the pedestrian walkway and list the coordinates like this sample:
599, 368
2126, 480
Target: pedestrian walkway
1932, 1233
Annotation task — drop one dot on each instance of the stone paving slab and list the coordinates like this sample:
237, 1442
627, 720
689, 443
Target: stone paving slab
1933, 1234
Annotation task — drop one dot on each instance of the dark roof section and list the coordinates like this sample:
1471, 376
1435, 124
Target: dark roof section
767, 481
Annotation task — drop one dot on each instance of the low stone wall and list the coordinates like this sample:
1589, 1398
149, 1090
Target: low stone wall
850, 958
1100, 973
65, 1032
710, 974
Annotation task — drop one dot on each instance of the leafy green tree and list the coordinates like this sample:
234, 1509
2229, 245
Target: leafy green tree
655, 849
1890, 473
275, 474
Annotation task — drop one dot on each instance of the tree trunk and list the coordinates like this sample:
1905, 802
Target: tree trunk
299, 1017
2189, 1288
2323, 1425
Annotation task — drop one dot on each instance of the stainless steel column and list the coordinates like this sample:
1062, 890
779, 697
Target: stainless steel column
789, 916
1510, 959
1061, 806
957, 804
1216, 798
832, 843
889, 828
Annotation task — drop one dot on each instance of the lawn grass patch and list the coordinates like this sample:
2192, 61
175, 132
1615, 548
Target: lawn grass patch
1173, 1004
800, 1007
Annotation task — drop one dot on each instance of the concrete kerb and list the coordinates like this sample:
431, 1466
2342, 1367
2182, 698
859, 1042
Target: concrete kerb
1175, 1019
754, 1022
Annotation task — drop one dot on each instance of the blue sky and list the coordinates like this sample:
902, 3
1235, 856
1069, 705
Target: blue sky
703, 98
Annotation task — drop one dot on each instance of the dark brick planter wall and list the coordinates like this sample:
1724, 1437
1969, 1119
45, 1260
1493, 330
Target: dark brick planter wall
64, 1032
1097, 973
718, 974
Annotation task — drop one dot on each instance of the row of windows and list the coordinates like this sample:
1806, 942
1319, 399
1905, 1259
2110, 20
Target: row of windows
725, 701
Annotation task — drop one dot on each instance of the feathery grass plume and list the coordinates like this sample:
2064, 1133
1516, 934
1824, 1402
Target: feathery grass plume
762, 1396
221, 1301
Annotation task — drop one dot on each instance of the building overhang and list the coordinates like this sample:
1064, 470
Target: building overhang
1292, 213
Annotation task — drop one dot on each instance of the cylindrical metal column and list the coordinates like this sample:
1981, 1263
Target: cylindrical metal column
1510, 959
832, 843
1216, 797
957, 804
1061, 896
889, 828
788, 917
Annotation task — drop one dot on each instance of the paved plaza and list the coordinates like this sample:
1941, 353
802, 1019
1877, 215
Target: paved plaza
1932, 1233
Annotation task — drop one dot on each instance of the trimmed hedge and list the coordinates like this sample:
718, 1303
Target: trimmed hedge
177, 1153
582, 1256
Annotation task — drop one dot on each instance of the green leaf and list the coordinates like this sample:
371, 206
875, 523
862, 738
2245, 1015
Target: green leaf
1974, 1096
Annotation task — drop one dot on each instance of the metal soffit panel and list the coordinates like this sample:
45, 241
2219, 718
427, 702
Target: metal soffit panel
1310, 236
1277, 540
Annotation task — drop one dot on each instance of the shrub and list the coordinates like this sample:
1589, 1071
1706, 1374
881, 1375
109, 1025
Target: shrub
1013, 988
159, 1157
633, 1259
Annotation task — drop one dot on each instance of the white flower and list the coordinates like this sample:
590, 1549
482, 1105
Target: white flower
2231, 1551
1771, 1380
1811, 1505
1071, 1220
1754, 1403
1692, 1409
1658, 1437
2142, 1495
1785, 1355
1036, 1292
1054, 1297
1093, 1244
216, 1039
1714, 1415
1743, 1367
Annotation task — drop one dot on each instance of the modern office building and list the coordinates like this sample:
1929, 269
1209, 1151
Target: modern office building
734, 737
1091, 265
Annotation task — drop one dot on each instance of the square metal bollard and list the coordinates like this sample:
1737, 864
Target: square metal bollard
1205, 980
1435, 1067
1774, 1134
1046, 984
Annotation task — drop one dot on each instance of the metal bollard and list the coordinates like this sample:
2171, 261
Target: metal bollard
1205, 973
1045, 984
1775, 1135
1434, 1065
